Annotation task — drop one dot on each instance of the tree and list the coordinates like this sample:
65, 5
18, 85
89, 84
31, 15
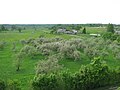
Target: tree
3, 28
48, 66
84, 31
19, 29
19, 59
110, 28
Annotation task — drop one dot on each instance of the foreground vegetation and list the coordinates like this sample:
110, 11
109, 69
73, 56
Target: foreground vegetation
37, 57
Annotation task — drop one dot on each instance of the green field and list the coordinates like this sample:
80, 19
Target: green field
27, 71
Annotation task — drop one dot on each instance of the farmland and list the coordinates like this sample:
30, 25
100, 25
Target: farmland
27, 72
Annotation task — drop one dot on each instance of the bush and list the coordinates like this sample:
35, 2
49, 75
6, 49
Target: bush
69, 51
84, 31
2, 85
118, 39
10, 85
76, 55
107, 35
94, 75
13, 85
91, 52
45, 82
29, 51
48, 66
110, 28
47, 48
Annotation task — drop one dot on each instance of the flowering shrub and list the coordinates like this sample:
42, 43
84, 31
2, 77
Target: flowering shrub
69, 51
29, 50
48, 66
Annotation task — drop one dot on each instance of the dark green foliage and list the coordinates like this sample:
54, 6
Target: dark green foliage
13, 85
3, 28
110, 28
95, 75
19, 29
45, 82
2, 85
111, 36
65, 26
118, 38
9, 85
89, 77
107, 35
84, 31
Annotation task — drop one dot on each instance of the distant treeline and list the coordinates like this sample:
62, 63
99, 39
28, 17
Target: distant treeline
51, 26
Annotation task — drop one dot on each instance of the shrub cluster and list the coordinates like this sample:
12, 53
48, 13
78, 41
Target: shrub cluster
111, 36
10, 85
67, 49
95, 75
48, 66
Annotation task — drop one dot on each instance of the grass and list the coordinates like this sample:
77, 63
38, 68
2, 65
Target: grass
27, 71
98, 30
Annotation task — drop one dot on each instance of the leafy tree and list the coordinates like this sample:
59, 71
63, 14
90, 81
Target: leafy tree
3, 28
110, 28
107, 35
19, 59
84, 31
13, 85
51, 65
2, 85
45, 82
19, 29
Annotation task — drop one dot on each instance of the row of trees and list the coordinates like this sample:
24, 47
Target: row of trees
110, 28
67, 26
2, 28
13, 27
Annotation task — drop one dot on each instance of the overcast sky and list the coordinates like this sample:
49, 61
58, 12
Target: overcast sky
59, 11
